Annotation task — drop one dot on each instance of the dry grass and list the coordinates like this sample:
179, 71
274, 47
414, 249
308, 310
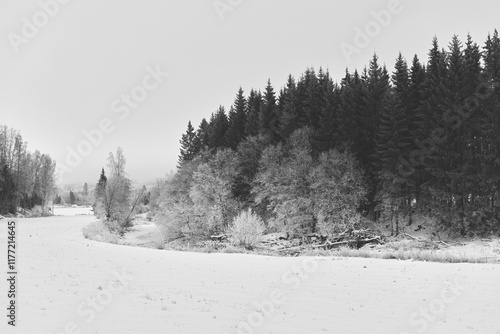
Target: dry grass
97, 231
409, 250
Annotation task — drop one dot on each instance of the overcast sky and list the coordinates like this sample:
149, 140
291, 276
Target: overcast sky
75, 70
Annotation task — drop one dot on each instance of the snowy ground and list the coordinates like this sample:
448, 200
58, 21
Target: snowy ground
62, 275
72, 211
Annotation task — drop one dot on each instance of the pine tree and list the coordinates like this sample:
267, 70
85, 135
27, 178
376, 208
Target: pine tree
313, 100
268, 114
415, 174
430, 134
393, 191
202, 136
328, 134
492, 57
8, 198
188, 145
489, 96
253, 108
352, 94
237, 119
57, 200
217, 129
376, 87
100, 188
72, 198
289, 119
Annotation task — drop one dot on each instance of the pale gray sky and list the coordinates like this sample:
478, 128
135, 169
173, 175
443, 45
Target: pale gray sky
69, 73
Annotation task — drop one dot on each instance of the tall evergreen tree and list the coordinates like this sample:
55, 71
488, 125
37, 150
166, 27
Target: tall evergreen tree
8, 200
352, 101
188, 143
393, 191
100, 188
289, 120
430, 134
268, 114
376, 81
392, 141
217, 129
313, 99
253, 108
328, 134
72, 198
202, 136
489, 95
237, 119
415, 174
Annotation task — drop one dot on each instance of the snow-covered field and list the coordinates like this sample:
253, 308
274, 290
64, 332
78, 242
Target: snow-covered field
72, 211
68, 284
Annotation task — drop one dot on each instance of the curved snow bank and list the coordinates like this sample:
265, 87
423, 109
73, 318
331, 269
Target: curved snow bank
68, 283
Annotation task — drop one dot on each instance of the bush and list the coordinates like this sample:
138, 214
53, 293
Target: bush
36, 211
98, 231
246, 229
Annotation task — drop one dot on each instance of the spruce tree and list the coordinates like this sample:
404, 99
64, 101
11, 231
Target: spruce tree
217, 129
351, 102
415, 174
313, 99
253, 108
289, 118
392, 143
100, 189
237, 119
376, 82
202, 136
430, 134
489, 95
188, 145
328, 134
393, 191
8, 197
72, 198
268, 114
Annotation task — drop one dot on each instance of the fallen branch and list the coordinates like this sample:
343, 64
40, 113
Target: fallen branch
329, 245
219, 237
444, 243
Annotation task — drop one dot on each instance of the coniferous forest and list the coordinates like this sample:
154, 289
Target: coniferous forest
316, 155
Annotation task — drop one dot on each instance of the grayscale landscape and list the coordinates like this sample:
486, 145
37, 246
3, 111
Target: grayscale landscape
250, 167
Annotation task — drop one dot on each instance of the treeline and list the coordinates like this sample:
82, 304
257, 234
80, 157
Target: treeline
73, 197
27, 179
423, 138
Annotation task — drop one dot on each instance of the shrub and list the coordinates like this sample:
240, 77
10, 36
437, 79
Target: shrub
98, 231
246, 229
37, 211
